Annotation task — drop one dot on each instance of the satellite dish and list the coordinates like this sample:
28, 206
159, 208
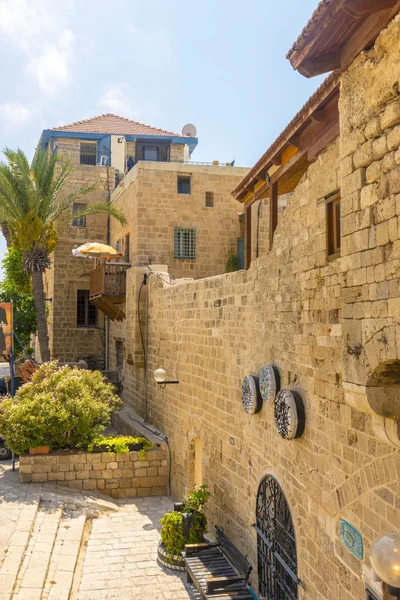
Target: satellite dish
189, 130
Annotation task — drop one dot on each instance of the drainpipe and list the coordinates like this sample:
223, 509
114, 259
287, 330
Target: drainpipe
147, 346
106, 319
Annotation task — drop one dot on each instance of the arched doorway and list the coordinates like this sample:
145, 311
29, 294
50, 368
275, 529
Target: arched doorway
276, 543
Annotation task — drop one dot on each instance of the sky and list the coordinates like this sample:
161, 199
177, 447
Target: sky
219, 64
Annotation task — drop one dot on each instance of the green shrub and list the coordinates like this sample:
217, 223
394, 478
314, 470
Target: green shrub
197, 499
62, 407
120, 443
172, 532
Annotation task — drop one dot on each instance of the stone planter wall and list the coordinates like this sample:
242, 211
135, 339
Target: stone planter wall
117, 475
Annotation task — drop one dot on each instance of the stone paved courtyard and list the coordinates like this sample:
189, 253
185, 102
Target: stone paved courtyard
51, 551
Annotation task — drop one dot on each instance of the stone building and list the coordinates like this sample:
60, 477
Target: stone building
318, 301
177, 212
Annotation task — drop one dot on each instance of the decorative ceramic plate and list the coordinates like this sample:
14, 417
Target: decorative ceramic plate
289, 414
269, 383
352, 539
251, 397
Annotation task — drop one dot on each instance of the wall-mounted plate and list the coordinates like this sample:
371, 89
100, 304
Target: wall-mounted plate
269, 383
251, 397
352, 539
289, 414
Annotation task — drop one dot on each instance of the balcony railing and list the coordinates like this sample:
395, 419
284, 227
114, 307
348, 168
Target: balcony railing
108, 280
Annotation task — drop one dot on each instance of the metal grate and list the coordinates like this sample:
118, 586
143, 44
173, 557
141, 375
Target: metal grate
80, 221
185, 243
184, 184
210, 199
276, 544
369, 594
86, 312
88, 153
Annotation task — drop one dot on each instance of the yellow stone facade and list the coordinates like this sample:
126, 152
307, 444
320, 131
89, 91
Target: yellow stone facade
331, 327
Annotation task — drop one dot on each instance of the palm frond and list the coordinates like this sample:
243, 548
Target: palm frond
101, 208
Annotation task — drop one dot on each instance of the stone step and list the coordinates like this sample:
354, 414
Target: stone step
36, 562
64, 557
14, 546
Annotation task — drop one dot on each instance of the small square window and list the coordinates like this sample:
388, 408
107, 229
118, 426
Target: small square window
210, 199
86, 312
88, 153
184, 184
150, 153
333, 227
80, 221
185, 243
127, 247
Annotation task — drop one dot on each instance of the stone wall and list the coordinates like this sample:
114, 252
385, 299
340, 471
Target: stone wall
149, 199
331, 327
116, 475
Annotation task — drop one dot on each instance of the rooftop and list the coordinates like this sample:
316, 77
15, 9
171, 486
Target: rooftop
113, 124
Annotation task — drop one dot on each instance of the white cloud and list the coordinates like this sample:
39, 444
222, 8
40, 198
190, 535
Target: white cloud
116, 101
52, 68
13, 116
37, 28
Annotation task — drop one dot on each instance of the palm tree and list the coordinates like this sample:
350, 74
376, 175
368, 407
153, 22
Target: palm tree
30, 205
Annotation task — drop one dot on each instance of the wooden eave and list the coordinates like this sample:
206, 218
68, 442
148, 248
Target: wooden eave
314, 127
337, 32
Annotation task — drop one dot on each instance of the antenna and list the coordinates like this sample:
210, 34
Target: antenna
189, 130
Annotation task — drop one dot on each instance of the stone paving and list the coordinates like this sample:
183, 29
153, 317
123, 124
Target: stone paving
52, 549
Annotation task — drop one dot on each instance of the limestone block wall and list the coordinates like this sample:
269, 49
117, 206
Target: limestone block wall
116, 475
149, 199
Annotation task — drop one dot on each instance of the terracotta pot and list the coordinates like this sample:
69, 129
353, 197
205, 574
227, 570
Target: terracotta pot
39, 450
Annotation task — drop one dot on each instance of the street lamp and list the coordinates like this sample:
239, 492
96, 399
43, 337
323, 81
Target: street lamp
160, 376
385, 560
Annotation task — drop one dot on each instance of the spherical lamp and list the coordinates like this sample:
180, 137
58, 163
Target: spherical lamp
160, 375
385, 560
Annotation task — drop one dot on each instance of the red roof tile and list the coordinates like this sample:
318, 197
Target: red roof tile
112, 124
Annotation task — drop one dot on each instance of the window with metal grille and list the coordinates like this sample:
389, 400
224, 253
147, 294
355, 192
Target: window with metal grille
333, 226
80, 221
184, 184
210, 199
185, 243
150, 153
86, 312
88, 153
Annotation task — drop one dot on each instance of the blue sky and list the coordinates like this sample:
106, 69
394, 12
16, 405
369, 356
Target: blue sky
219, 64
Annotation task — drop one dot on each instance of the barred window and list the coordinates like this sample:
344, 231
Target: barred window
210, 199
333, 227
80, 221
86, 312
127, 247
88, 153
184, 184
185, 243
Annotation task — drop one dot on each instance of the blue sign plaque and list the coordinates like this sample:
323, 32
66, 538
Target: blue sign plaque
352, 539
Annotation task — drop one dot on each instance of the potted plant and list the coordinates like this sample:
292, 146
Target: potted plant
61, 408
185, 526
120, 444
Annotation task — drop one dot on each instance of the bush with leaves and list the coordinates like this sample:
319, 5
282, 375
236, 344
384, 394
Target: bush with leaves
62, 407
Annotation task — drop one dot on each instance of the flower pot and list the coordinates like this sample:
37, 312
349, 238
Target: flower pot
39, 450
170, 561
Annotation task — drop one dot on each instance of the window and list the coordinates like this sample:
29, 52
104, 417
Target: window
369, 594
333, 227
80, 221
119, 353
88, 153
185, 243
150, 153
210, 199
86, 313
184, 184
127, 247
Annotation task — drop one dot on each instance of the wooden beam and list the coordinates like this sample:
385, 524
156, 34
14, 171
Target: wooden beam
321, 64
319, 116
360, 8
277, 160
294, 141
327, 138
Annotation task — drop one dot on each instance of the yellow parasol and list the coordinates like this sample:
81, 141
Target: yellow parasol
96, 250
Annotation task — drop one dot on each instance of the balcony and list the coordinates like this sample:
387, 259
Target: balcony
108, 289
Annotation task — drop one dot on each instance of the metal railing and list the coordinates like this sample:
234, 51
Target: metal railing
108, 280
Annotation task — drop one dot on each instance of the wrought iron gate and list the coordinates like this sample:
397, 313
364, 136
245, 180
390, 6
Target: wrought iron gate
276, 544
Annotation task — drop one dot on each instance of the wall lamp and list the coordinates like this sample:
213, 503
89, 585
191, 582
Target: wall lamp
385, 561
161, 378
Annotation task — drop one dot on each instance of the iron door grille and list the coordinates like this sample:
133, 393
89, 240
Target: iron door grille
185, 243
276, 544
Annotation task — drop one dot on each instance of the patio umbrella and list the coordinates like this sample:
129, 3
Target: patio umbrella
96, 250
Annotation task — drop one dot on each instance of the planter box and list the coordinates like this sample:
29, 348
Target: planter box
39, 450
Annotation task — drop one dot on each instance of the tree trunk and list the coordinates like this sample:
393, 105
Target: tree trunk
40, 307
6, 232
